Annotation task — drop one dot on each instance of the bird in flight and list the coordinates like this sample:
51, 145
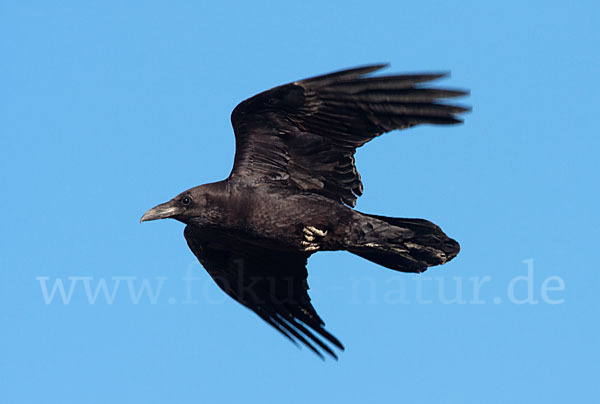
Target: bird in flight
293, 187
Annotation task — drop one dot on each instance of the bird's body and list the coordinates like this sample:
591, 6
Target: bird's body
280, 215
292, 189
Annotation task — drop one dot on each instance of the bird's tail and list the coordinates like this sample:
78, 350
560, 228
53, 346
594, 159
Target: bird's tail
407, 245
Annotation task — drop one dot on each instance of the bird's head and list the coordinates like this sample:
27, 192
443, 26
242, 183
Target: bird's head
186, 205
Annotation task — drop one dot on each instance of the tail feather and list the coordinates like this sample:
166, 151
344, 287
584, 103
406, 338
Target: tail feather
407, 245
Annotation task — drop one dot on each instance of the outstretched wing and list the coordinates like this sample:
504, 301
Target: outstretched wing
304, 134
270, 283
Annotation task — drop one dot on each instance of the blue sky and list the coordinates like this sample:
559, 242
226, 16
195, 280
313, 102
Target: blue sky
109, 108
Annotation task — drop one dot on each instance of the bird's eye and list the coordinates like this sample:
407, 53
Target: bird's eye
186, 200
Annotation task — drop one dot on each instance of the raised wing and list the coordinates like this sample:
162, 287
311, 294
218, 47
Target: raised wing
270, 283
304, 134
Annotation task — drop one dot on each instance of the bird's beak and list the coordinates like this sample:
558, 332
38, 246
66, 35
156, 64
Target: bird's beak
162, 211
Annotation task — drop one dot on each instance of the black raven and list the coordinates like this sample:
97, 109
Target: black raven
292, 189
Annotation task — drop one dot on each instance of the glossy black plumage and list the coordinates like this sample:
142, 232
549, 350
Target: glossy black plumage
307, 131
292, 187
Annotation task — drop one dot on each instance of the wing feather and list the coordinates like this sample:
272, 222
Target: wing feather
304, 134
273, 284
